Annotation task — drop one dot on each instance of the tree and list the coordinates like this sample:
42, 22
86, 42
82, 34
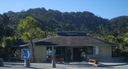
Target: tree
110, 38
4, 20
28, 30
7, 43
5, 29
125, 43
126, 38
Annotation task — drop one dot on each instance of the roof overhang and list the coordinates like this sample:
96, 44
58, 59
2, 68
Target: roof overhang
73, 41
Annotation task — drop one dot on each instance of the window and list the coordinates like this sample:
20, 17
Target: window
90, 50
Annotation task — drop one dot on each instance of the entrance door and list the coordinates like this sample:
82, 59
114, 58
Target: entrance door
76, 54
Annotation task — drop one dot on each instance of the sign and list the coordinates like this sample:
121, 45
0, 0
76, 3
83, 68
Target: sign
25, 54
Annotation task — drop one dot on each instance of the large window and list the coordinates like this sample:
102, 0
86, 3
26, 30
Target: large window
60, 52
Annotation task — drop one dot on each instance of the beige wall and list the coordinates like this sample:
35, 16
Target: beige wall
105, 51
40, 53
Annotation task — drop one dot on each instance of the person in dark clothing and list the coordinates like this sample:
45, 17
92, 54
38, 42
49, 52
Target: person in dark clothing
69, 55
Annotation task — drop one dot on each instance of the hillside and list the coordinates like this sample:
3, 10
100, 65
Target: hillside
54, 20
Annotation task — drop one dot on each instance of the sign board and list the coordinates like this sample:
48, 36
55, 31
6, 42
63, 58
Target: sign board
25, 54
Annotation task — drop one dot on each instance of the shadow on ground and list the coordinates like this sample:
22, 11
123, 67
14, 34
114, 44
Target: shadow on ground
111, 65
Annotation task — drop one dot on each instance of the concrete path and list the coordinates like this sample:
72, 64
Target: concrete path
72, 65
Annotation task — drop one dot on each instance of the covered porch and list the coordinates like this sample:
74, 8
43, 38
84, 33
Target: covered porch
72, 53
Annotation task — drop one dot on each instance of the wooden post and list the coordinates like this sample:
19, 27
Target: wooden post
53, 60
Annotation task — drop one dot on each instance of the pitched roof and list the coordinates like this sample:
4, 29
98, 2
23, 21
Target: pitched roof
73, 41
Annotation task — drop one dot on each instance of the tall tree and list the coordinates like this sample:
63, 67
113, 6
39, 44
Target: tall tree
28, 30
4, 21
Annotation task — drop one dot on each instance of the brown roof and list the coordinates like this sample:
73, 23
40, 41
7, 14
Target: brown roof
73, 41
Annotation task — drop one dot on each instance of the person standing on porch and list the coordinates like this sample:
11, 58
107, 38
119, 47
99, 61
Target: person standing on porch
83, 55
69, 55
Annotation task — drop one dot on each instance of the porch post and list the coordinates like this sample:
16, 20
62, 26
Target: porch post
53, 59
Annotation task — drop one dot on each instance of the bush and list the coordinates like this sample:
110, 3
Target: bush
125, 53
3, 54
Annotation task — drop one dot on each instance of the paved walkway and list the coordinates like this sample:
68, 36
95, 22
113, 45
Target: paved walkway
72, 65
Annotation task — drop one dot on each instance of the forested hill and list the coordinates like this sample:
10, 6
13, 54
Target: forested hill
54, 20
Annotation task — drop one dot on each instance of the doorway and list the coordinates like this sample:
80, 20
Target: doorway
77, 54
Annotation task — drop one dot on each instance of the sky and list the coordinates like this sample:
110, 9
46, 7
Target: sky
102, 8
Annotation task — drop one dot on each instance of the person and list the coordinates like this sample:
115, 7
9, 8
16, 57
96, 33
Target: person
49, 54
69, 55
83, 55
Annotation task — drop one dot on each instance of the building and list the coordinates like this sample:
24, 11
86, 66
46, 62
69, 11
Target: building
75, 42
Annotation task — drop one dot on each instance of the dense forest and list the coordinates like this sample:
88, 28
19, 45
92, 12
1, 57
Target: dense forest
113, 30
54, 20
